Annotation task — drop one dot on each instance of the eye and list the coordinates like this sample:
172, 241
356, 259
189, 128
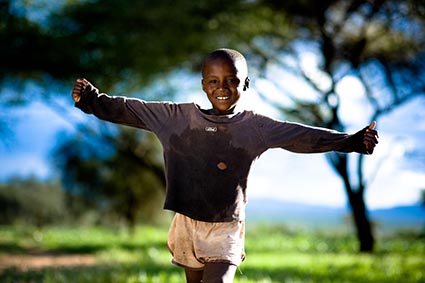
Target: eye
233, 81
213, 81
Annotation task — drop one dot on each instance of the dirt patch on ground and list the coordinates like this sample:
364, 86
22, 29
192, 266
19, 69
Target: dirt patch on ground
38, 261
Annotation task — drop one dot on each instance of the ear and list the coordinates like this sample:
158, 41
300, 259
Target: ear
203, 84
246, 84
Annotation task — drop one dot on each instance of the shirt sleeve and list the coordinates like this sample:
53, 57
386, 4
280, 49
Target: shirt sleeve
132, 112
300, 138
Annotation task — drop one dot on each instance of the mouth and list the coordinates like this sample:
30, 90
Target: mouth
222, 97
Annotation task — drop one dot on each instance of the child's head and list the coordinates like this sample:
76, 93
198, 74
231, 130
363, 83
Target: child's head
224, 77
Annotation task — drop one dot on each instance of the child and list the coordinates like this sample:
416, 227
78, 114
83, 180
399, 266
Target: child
208, 155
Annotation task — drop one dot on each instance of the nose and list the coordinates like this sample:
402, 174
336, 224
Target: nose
223, 84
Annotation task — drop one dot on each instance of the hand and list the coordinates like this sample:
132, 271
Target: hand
79, 87
370, 138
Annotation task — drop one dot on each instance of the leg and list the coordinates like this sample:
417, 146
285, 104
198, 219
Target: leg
193, 276
219, 272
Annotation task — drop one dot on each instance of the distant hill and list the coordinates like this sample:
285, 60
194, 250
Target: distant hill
323, 217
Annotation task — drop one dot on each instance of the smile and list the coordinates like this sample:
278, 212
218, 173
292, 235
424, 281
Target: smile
223, 97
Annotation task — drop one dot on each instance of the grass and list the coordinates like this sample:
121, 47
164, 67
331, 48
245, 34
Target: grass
275, 254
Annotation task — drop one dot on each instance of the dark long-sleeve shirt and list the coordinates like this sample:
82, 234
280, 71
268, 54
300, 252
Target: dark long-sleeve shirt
208, 157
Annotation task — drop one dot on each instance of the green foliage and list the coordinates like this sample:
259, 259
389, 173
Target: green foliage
42, 203
121, 175
110, 41
274, 255
32, 202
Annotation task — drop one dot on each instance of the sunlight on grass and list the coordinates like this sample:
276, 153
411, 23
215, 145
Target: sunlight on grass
274, 255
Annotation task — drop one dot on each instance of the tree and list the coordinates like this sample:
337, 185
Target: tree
380, 43
109, 41
121, 46
33, 202
119, 174
125, 44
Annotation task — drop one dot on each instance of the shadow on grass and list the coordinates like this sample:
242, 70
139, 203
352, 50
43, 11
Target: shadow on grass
96, 248
12, 248
17, 249
101, 273
147, 272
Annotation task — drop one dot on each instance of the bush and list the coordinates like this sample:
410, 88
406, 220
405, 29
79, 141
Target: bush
30, 201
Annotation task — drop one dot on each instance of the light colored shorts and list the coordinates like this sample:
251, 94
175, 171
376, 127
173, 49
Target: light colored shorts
194, 243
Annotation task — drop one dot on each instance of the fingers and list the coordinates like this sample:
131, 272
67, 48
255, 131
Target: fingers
78, 89
82, 81
370, 138
370, 131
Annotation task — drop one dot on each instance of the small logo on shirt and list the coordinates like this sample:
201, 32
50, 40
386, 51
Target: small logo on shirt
211, 129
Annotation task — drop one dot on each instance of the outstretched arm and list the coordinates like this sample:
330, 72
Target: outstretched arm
113, 109
370, 138
122, 110
301, 138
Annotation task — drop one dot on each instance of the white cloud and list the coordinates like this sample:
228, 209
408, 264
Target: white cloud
23, 165
305, 178
395, 187
354, 110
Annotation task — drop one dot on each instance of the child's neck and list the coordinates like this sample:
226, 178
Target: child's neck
212, 112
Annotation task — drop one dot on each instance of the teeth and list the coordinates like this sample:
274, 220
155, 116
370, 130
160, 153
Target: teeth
222, 97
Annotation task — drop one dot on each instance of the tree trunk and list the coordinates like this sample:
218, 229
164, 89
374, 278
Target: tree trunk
362, 223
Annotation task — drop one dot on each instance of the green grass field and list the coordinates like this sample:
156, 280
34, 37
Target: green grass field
274, 254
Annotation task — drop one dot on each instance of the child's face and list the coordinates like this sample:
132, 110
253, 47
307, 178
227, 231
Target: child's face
222, 83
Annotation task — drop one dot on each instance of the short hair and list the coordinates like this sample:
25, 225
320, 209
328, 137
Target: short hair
233, 55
